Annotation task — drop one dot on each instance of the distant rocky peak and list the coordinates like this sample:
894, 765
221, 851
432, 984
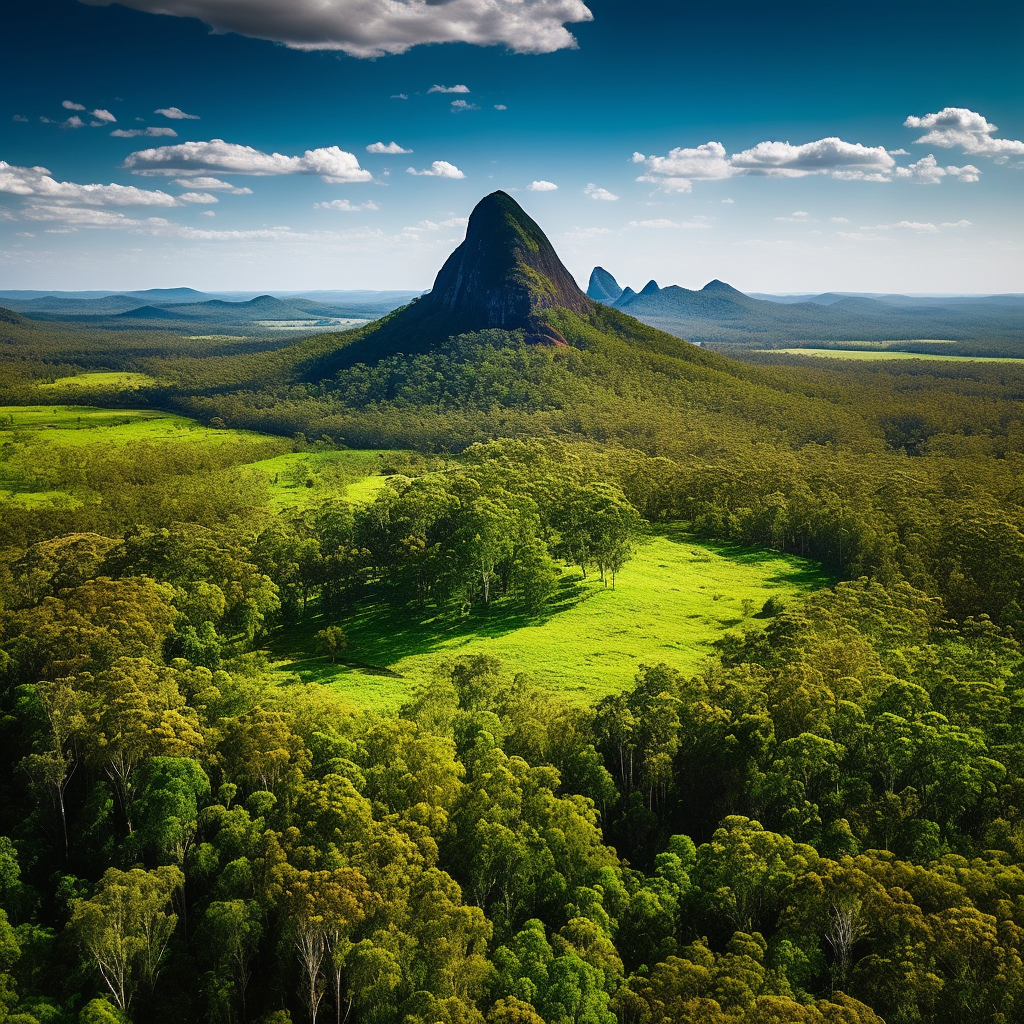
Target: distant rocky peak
603, 287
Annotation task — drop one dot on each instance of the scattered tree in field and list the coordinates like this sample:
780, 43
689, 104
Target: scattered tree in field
332, 641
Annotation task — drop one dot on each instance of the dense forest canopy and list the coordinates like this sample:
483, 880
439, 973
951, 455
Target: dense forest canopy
823, 824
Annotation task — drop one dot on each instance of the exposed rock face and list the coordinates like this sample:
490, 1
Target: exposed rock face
504, 272
603, 287
505, 275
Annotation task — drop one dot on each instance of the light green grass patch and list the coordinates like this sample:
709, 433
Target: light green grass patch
351, 474
81, 424
45, 427
36, 498
847, 353
105, 380
671, 603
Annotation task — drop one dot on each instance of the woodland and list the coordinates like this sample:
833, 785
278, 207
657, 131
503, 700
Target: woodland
823, 824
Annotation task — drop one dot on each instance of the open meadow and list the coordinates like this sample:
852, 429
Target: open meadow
672, 601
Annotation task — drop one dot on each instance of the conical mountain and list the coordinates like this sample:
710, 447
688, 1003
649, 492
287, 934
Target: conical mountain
603, 287
505, 271
721, 288
505, 275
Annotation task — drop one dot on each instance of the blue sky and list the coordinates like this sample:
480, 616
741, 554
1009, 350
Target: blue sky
781, 147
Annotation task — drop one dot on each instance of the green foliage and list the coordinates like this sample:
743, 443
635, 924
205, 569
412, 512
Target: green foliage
816, 819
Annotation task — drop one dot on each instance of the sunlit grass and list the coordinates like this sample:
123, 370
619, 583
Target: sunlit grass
102, 380
297, 480
671, 603
846, 353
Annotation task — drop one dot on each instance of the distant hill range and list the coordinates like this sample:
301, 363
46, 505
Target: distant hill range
720, 314
188, 306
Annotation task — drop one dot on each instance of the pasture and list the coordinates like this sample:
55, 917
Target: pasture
674, 599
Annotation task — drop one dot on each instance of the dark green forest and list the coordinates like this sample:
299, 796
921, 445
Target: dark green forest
824, 824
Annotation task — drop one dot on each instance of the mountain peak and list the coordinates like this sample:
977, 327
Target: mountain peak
651, 288
603, 287
504, 272
720, 286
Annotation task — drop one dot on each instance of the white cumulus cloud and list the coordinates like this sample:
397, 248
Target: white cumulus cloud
497, 106
152, 133
680, 167
956, 224
958, 126
458, 105
77, 217
677, 171
594, 192
212, 185
927, 171
176, 114
198, 197
71, 105
38, 182
448, 88
438, 169
849, 160
104, 116
334, 165
345, 206
74, 122
542, 186
370, 28
391, 147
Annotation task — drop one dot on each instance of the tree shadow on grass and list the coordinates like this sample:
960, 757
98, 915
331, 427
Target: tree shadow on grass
793, 570
380, 634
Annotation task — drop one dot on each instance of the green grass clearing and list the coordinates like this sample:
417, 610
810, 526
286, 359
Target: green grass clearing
672, 601
102, 380
81, 424
848, 353
353, 475
30, 432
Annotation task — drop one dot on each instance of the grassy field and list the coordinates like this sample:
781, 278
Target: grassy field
102, 380
672, 601
298, 479
849, 353
81, 424
295, 479
77, 426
